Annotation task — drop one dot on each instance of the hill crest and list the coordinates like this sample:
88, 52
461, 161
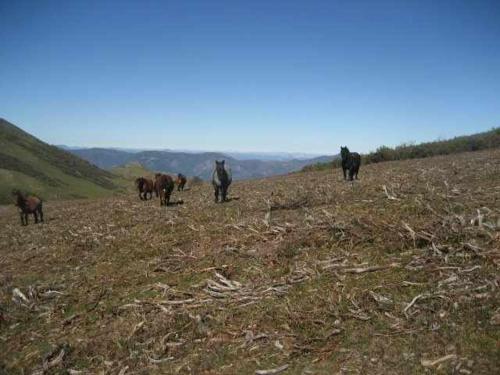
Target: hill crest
28, 163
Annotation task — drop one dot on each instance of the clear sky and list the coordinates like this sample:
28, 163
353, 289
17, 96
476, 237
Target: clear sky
299, 76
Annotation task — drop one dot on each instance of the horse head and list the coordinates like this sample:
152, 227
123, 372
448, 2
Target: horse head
139, 182
344, 152
19, 196
219, 166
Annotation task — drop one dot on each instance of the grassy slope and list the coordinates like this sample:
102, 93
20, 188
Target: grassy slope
32, 165
137, 280
131, 171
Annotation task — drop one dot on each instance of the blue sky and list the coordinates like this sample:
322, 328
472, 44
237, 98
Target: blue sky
298, 76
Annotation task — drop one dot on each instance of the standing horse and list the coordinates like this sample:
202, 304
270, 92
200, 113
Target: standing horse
181, 182
351, 162
145, 186
164, 185
221, 179
28, 204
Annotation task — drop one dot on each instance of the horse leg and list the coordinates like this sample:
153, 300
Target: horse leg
35, 215
22, 218
40, 212
25, 219
216, 188
224, 193
163, 197
344, 170
351, 174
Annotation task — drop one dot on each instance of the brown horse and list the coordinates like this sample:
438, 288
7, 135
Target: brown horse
145, 186
28, 204
164, 185
181, 182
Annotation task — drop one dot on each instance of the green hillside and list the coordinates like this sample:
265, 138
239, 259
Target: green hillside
32, 165
131, 171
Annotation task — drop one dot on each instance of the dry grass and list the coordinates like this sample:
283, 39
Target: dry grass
303, 274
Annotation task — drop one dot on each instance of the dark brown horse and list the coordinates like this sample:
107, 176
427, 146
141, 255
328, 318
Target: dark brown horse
164, 185
181, 182
145, 187
28, 204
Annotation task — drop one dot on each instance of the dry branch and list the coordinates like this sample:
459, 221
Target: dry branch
276, 370
429, 363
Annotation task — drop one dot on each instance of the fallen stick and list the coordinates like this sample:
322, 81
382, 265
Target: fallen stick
176, 302
369, 269
389, 196
276, 370
20, 295
429, 363
158, 361
413, 302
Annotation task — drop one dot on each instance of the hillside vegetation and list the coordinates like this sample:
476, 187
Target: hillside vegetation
30, 164
475, 142
131, 171
397, 273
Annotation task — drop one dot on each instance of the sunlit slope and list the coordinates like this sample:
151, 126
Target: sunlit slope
32, 165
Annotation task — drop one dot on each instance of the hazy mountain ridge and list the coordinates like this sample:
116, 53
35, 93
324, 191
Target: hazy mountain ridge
193, 164
238, 155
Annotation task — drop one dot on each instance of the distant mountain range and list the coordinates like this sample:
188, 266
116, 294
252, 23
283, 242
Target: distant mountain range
30, 164
197, 163
239, 155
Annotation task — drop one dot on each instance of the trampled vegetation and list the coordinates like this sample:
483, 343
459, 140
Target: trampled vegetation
395, 273
475, 142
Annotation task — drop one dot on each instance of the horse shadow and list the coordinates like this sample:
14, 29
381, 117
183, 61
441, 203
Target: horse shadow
179, 202
232, 199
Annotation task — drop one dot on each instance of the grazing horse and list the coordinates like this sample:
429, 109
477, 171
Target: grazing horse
28, 204
221, 179
351, 162
181, 182
164, 185
145, 186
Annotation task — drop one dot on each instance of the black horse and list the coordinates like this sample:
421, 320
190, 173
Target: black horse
221, 179
351, 162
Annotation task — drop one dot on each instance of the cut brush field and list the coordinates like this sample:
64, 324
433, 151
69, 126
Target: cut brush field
396, 273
